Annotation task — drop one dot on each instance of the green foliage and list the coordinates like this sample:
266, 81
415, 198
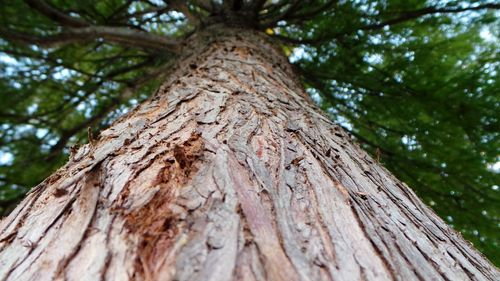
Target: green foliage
415, 82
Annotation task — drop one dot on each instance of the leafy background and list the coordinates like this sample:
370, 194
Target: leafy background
415, 82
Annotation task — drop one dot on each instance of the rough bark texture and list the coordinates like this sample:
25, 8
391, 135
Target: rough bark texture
229, 173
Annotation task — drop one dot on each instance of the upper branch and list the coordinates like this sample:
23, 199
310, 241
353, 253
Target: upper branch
281, 14
426, 11
314, 12
54, 14
78, 30
120, 35
403, 17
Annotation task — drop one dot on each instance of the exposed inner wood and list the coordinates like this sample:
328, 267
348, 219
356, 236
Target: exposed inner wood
229, 173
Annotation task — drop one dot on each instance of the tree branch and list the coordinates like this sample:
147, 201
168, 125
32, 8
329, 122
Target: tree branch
54, 14
426, 11
77, 30
313, 12
407, 16
271, 20
121, 35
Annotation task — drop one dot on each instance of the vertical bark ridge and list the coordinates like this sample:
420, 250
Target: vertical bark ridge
229, 172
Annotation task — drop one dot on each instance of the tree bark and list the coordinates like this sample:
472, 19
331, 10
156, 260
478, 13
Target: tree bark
229, 172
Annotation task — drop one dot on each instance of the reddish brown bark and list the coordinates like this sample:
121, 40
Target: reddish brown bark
229, 173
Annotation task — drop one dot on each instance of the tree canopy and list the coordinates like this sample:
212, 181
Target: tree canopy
415, 83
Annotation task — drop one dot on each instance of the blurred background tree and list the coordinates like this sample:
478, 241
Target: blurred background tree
415, 82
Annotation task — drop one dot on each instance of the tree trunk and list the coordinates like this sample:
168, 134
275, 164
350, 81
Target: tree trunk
229, 172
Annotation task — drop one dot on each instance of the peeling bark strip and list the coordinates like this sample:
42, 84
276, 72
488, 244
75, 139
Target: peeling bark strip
229, 173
